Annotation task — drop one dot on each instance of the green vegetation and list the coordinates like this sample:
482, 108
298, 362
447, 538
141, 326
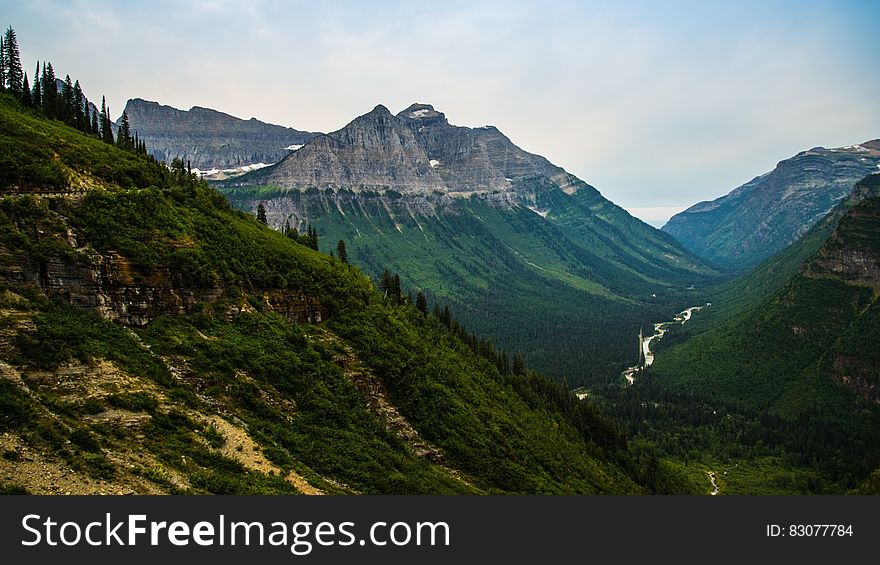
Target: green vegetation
290, 388
568, 295
758, 381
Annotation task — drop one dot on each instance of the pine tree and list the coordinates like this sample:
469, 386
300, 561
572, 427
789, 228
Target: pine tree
94, 127
14, 74
36, 94
341, 252
79, 111
68, 111
50, 91
395, 288
386, 283
106, 128
421, 303
2, 65
312, 238
261, 214
26, 98
123, 136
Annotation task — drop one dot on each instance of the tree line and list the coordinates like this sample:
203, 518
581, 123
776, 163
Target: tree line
67, 104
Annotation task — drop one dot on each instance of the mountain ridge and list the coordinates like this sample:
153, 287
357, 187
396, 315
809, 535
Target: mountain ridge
760, 217
208, 138
480, 224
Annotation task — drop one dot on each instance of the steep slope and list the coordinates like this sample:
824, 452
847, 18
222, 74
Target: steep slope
521, 250
152, 340
806, 352
209, 139
771, 211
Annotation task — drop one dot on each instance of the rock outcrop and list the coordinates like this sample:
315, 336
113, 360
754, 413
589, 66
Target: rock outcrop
416, 153
209, 139
107, 284
769, 212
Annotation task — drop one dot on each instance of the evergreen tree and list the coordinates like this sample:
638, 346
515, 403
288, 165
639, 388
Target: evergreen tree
94, 127
386, 284
2, 64
79, 112
50, 91
36, 93
421, 303
26, 98
340, 251
124, 139
312, 238
261, 213
106, 128
395, 288
286, 226
68, 112
14, 74
293, 234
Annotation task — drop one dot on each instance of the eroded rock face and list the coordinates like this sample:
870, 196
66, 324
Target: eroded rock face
416, 153
852, 371
852, 253
769, 212
108, 285
210, 139
374, 152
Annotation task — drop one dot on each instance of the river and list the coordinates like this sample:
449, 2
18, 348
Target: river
646, 358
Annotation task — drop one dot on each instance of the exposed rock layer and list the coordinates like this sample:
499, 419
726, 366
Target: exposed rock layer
769, 212
208, 138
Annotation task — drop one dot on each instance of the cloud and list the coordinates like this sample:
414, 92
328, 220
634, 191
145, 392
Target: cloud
656, 104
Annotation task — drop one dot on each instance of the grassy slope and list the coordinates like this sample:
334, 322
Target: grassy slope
565, 292
768, 343
231, 359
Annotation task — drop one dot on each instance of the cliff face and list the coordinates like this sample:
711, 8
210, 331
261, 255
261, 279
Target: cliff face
210, 139
771, 211
108, 284
416, 153
374, 152
852, 253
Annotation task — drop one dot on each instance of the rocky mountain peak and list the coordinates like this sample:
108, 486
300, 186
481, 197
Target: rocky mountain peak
424, 114
417, 152
208, 138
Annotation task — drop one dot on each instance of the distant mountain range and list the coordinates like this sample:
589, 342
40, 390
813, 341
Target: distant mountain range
520, 249
771, 211
209, 139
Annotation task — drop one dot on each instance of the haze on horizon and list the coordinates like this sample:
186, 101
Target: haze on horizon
658, 105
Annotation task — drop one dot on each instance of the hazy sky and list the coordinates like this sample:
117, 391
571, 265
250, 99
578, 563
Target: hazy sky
658, 104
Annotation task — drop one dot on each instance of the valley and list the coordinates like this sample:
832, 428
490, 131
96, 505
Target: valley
646, 357
194, 303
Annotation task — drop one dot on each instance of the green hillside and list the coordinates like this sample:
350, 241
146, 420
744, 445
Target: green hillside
792, 346
149, 343
569, 290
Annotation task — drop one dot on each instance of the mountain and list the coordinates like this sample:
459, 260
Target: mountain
210, 139
154, 340
795, 342
771, 211
519, 249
